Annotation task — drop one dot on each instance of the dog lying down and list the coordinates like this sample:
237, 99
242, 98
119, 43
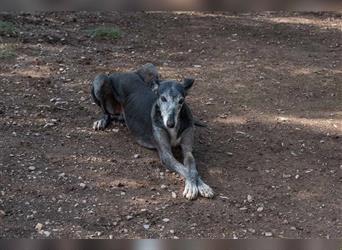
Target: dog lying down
158, 119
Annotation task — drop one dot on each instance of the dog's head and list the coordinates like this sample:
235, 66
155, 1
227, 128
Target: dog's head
171, 97
149, 73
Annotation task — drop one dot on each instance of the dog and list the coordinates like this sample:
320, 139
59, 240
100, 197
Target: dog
102, 93
158, 119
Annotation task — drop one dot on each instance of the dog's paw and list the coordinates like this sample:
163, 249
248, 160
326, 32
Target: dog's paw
204, 189
190, 190
100, 125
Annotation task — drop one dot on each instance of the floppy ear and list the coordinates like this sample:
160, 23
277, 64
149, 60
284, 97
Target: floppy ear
155, 87
187, 83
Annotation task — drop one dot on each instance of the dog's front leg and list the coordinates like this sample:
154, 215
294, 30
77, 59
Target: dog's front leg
169, 161
190, 163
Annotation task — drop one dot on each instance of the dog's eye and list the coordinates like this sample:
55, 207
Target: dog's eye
163, 99
181, 101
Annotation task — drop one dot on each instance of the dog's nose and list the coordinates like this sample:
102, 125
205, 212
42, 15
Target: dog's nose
170, 123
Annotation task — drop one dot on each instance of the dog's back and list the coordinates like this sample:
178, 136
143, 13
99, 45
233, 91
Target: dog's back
137, 99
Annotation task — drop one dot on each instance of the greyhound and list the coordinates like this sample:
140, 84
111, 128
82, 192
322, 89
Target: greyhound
102, 93
160, 120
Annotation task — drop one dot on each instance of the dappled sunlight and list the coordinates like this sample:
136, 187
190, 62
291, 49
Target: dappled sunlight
237, 120
322, 125
33, 71
336, 24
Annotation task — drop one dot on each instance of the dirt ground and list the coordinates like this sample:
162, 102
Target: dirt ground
267, 84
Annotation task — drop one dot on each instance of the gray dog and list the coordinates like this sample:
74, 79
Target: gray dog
103, 96
158, 120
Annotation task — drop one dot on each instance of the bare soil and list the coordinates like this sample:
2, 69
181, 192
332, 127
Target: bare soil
267, 84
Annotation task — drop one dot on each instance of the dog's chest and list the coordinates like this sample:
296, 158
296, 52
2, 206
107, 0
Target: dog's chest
173, 137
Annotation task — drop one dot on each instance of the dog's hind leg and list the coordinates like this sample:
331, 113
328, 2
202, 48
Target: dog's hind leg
102, 95
189, 162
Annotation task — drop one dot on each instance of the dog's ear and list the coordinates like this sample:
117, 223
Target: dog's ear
155, 87
187, 83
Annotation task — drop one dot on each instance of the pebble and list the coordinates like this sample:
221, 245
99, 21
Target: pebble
163, 186
61, 175
166, 220
268, 234
260, 209
129, 217
250, 169
136, 156
39, 226
146, 226
172, 231
49, 125
31, 168
110, 237
2, 213
249, 198
174, 195
46, 233
83, 185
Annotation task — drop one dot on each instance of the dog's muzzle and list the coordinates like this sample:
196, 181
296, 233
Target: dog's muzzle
170, 123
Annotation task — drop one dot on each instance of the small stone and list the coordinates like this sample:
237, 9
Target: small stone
39, 227
83, 185
268, 234
166, 220
172, 231
249, 198
136, 156
297, 176
286, 175
110, 237
49, 125
293, 228
122, 193
61, 175
163, 186
146, 226
250, 169
174, 195
243, 208
252, 230
129, 217
32, 168
260, 209
2, 213
46, 233
125, 230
